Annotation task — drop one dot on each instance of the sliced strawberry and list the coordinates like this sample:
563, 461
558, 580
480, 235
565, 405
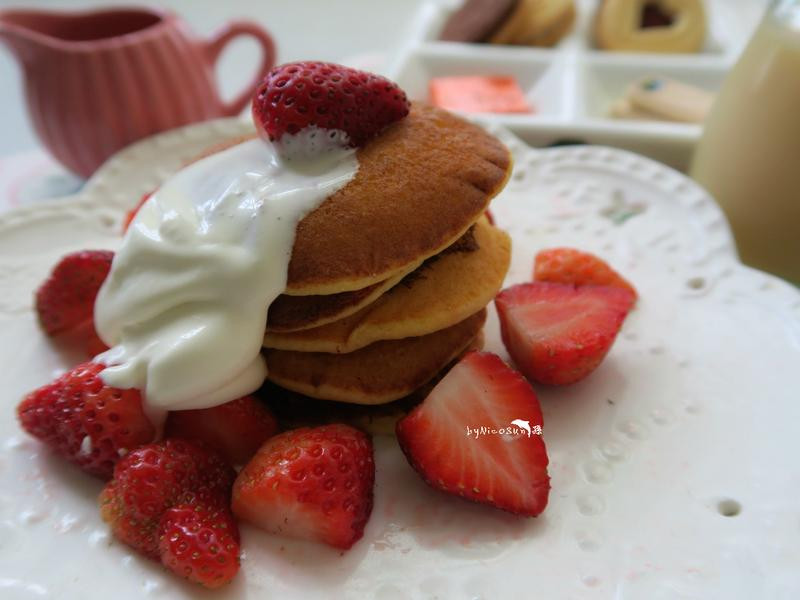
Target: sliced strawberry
200, 544
131, 214
503, 466
156, 477
312, 483
235, 429
557, 334
65, 301
329, 96
86, 421
568, 265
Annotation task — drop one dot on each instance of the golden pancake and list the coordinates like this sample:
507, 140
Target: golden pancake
295, 313
419, 187
379, 373
451, 288
296, 410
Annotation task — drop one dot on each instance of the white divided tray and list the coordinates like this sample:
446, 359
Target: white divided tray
574, 84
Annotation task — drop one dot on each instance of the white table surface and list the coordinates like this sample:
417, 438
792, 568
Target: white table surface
303, 29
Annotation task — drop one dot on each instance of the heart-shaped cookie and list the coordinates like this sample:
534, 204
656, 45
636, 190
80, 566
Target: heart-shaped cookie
651, 25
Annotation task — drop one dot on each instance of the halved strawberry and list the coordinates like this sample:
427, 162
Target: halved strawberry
65, 301
312, 483
557, 334
297, 95
86, 421
235, 429
568, 265
500, 465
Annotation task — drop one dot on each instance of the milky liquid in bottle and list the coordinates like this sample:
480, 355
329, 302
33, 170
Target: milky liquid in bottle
749, 155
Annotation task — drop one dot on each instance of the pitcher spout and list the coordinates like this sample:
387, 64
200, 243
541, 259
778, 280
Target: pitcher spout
18, 33
26, 31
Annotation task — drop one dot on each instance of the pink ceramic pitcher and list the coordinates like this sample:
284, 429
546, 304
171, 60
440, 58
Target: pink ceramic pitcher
97, 81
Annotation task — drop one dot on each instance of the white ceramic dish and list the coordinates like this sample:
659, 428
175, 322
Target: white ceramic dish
573, 85
692, 417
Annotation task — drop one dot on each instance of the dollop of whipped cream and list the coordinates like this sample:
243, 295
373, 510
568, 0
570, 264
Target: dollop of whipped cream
184, 307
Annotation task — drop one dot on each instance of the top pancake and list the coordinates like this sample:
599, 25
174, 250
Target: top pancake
420, 185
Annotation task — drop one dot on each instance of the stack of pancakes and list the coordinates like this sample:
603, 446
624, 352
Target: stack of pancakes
389, 278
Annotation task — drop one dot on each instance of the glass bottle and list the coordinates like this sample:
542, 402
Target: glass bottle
749, 155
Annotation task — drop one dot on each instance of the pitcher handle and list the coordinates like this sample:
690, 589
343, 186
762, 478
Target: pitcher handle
218, 42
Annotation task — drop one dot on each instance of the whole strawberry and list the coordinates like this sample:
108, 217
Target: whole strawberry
297, 95
569, 265
200, 544
65, 301
180, 490
312, 483
235, 429
86, 421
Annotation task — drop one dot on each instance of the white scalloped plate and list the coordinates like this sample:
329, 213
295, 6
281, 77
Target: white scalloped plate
693, 414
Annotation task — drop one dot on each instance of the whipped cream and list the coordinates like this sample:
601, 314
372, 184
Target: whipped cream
185, 304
